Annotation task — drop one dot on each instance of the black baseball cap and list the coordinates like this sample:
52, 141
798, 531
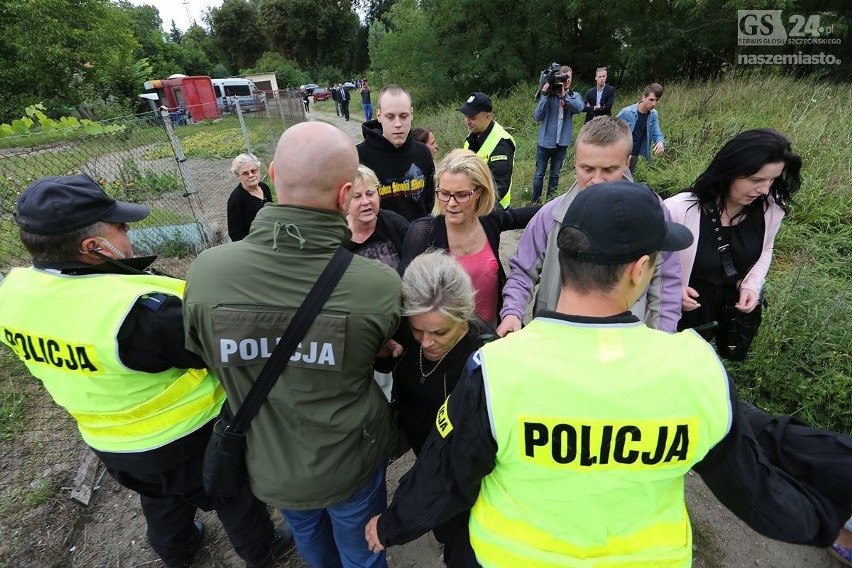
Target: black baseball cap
477, 102
60, 204
623, 221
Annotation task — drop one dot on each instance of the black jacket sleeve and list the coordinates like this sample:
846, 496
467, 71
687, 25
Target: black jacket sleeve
394, 226
151, 338
429, 189
515, 218
501, 164
417, 240
767, 498
821, 458
445, 479
607, 100
590, 100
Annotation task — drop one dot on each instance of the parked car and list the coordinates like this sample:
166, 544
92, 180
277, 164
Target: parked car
321, 94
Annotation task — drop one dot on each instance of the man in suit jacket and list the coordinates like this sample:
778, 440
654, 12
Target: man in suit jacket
335, 95
343, 98
600, 98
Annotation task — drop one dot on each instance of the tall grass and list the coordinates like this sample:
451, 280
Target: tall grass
801, 361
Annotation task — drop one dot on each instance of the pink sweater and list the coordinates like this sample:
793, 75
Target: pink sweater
685, 210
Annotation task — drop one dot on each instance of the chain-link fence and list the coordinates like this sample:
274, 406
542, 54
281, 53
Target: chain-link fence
179, 168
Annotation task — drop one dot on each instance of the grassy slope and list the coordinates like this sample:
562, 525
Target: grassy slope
801, 361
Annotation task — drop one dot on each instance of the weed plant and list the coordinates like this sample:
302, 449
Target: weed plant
801, 360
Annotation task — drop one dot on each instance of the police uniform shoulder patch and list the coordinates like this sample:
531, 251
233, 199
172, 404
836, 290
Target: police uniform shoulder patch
153, 301
498, 158
442, 420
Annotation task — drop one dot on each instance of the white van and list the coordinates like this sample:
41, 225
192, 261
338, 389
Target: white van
251, 99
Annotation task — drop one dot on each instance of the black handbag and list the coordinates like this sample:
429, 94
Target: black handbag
738, 327
225, 472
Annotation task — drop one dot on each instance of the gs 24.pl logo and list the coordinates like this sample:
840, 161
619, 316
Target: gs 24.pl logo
766, 27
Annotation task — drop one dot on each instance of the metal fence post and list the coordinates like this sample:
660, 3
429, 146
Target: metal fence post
191, 194
280, 109
243, 124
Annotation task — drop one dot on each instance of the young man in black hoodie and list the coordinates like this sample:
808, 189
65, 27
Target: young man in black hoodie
403, 165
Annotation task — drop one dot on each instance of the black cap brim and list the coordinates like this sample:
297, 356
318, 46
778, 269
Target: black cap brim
127, 213
678, 237
468, 111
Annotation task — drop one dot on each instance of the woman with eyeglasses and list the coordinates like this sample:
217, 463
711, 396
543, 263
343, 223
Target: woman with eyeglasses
248, 197
465, 222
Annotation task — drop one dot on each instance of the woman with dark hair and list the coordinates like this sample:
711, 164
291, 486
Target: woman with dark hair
740, 200
423, 134
442, 331
465, 222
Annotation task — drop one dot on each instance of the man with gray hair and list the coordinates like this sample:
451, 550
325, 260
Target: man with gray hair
142, 402
318, 446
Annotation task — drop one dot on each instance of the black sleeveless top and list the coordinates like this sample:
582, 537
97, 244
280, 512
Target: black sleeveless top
746, 246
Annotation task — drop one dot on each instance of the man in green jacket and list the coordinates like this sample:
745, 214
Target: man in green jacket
317, 448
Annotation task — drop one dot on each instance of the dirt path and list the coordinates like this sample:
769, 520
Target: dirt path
111, 533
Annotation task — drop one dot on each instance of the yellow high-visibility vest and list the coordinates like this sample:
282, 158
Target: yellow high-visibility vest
64, 329
497, 133
595, 428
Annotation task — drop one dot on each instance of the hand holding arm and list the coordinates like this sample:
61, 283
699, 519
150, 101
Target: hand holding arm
509, 324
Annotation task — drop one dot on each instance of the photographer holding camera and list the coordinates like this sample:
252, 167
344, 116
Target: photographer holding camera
557, 104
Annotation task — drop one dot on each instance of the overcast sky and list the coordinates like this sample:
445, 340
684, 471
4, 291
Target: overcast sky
177, 10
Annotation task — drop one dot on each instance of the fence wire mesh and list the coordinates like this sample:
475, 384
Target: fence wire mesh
179, 168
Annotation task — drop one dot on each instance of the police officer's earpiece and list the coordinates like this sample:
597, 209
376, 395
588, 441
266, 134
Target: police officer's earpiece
94, 248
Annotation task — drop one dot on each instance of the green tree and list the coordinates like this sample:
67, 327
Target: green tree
273, 23
313, 32
329, 75
236, 31
174, 33
286, 71
60, 52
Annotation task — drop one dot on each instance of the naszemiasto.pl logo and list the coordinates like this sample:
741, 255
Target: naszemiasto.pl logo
767, 27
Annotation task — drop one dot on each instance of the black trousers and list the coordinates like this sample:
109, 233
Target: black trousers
455, 537
344, 106
170, 497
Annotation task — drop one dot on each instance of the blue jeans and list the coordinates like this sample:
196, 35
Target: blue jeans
368, 111
334, 537
556, 156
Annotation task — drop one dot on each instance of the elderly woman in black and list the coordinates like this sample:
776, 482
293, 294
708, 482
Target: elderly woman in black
438, 301
248, 197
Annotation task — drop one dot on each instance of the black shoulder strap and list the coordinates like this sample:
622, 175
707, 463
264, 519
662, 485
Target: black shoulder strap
723, 243
294, 333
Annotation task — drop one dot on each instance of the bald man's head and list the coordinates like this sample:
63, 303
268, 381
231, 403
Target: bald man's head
315, 164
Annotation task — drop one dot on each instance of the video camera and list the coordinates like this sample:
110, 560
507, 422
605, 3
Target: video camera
556, 80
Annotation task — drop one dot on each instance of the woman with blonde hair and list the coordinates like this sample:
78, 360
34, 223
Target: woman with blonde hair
248, 197
465, 222
442, 331
376, 233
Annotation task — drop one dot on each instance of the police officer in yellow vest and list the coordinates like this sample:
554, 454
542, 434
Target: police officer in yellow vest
107, 341
569, 439
491, 142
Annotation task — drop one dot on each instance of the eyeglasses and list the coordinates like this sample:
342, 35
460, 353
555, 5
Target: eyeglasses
249, 173
459, 196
